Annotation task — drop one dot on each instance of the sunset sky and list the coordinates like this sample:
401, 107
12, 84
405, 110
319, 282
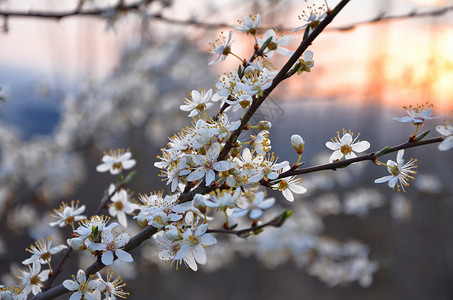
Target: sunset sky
398, 62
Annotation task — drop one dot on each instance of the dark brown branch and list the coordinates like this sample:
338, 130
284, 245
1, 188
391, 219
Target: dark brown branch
99, 12
159, 17
382, 18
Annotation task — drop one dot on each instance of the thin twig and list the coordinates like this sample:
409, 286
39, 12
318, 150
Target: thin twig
347, 162
100, 13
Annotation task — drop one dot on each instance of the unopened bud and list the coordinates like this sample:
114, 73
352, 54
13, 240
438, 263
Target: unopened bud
264, 125
171, 232
76, 244
298, 143
198, 201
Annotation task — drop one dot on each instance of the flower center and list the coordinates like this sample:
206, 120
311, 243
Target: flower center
46, 256
118, 205
395, 170
35, 280
346, 149
226, 50
272, 46
283, 185
194, 240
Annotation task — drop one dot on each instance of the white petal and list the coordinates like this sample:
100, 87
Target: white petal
335, 156
444, 130
200, 255
346, 139
81, 278
210, 176
350, 155
196, 175
123, 255
383, 179
76, 296
288, 195
90, 296
446, 144
267, 203
399, 156
393, 181
238, 213
125, 156
190, 261
255, 213
333, 146
128, 164
107, 258
102, 168
122, 240
122, 218
208, 239
298, 189
183, 251
70, 285
403, 119
284, 40
360, 146
223, 165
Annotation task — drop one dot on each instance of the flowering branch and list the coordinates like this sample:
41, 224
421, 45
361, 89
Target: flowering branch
210, 171
282, 75
276, 222
344, 163
105, 199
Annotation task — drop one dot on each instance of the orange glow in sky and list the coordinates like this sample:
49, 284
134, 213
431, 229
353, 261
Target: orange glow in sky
399, 66
397, 63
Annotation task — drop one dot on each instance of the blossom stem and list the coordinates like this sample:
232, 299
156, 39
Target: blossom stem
236, 56
417, 126
298, 160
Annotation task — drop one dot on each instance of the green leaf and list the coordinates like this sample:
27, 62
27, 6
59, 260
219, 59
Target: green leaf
422, 136
244, 235
307, 31
265, 44
383, 151
240, 70
280, 219
130, 176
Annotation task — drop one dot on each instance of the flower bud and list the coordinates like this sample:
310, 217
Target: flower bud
298, 143
171, 232
264, 125
198, 202
76, 244
6, 295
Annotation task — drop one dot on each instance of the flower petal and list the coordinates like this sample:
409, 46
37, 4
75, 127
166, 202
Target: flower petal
70, 285
107, 258
123, 255
360, 146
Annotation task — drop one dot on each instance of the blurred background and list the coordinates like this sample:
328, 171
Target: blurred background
81, 85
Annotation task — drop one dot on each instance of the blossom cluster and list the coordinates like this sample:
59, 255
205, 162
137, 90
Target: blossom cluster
216, 177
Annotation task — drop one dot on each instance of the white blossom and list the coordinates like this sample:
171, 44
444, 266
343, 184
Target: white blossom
345, 146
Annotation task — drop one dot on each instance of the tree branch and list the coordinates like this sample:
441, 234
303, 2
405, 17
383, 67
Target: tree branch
201, 189
100, 13
344, 163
